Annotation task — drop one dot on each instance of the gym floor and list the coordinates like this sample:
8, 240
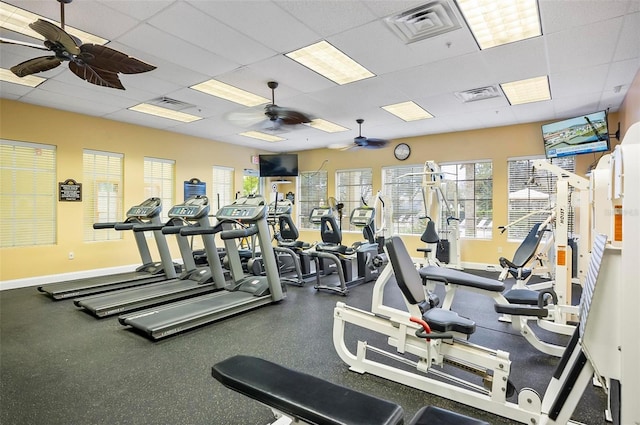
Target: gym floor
59, 365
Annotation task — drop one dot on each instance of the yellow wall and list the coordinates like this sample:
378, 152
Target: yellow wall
497, 144
72, 133
194, 157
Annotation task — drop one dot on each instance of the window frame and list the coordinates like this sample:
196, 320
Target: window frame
351, 204
309, 199
168, 199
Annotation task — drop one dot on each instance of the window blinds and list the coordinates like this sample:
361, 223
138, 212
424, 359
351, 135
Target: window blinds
159, 182
28, 194
312, 194
102, 198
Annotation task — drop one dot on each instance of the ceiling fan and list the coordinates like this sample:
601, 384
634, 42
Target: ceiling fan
363, 142
94, 63
276, 116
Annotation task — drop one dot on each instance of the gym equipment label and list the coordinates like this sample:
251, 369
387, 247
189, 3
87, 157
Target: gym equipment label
70, 191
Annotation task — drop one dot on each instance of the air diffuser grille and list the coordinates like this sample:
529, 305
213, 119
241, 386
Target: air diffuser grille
480, 93
169, 103
428, 20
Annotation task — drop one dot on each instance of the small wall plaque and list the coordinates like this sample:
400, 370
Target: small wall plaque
70, 191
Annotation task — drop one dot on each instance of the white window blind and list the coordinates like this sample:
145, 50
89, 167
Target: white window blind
159, 182
351, 187
472, 184
102, 197
532, 191
312, 193
222, 187
28, 194
402, 195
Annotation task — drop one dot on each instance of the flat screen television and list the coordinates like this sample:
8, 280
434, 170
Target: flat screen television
574, 136
278, 165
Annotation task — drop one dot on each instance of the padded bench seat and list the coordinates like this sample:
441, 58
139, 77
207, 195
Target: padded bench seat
457, 277
440, 320
314, 400
304, 396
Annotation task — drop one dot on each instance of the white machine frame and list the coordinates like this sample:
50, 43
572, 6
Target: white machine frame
561, 396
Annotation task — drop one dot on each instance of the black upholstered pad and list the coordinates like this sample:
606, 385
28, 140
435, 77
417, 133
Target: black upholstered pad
331, 248
446, 321
525, 297
446, 275
303, 396
431, 415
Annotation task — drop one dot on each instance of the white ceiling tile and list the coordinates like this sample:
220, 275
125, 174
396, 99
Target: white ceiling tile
588, 79
263, 21
559, 16
138, 9
328, 16
209, 33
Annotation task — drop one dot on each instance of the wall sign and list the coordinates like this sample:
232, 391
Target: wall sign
291, 197
70, 191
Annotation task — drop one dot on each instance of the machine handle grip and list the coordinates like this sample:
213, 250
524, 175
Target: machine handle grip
239, 233
124, 226
171, 230
196, 230
110, 225
426, 329
147, 227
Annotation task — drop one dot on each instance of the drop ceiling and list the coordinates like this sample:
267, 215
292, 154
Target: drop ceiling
590, 51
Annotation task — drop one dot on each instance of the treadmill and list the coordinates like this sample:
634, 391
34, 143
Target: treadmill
147, 212
245, 293
193, 281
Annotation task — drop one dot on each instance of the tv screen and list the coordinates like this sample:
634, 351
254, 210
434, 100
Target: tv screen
280, 165
578, 135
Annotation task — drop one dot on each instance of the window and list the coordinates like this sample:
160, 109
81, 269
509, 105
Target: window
222, 187
28, 194
471, 183
351, 187
250, 183
159, 182
312, 194
402, 194
103, 195
532, 191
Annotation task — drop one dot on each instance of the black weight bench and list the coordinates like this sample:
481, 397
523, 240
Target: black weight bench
312, 400
457, 277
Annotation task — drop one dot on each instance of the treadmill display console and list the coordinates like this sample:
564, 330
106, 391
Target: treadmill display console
237, 212
192, 208
317, 214
362, 216
147, 209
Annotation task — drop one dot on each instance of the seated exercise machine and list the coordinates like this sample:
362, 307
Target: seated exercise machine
298, 398
438, 337
244, 293
291, 254
531, 256
147, 212
193, 281
331, 255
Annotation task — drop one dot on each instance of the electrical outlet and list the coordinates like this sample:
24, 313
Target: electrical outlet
71, 255
499, 250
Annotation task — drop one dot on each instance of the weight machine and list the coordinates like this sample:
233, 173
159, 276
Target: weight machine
438, 337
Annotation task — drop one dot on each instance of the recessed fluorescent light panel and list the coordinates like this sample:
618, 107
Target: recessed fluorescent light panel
497, 22
158, 111
228, 92
527, 91
407, 111
331, 63
262, 136
29, 80
327, 126
18, 20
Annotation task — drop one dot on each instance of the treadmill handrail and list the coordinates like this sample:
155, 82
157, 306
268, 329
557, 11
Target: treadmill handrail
147, 227
109, 225
195, 230
239, 233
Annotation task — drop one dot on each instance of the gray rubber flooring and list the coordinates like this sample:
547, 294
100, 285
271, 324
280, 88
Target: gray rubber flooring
59, 365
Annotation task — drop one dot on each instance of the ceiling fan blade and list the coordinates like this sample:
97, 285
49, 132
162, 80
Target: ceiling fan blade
56, 35
286, 115
246, 118
373, 143
35, 65
108, 59
96, 76
23, 43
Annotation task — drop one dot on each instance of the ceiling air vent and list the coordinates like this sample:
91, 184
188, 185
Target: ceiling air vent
426, 21
481, 93
173, 104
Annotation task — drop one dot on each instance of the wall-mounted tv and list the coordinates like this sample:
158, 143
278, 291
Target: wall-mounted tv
582, 134
278, 165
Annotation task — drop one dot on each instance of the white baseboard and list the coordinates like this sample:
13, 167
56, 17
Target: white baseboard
43, 280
